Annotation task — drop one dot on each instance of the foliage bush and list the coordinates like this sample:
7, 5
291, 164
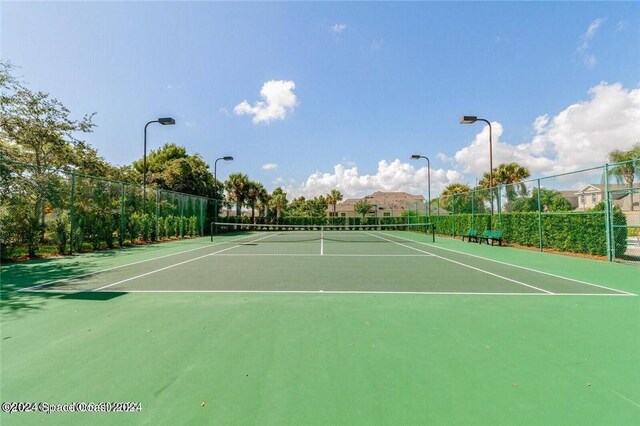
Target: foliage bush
62, 230
575, 232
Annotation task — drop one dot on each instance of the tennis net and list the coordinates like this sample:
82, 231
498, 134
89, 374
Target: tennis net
302, 233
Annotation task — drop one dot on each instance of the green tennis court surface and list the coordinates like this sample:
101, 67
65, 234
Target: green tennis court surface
322, 327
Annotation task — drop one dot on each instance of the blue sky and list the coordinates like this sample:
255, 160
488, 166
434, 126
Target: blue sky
316, 96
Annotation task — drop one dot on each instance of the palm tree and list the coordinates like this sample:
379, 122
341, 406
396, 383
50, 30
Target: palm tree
333, 198
627, 167
263, 202
456, 197
254, 191
237, 185
278, 201
511, 175
363, 207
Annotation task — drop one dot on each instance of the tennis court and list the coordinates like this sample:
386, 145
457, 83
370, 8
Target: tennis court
324, 326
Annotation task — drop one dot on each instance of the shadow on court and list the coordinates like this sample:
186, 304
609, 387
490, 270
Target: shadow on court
15, 301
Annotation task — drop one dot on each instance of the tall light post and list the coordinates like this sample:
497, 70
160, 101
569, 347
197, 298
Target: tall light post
215, 178
215, 166
165, 121
470, 119
417, 157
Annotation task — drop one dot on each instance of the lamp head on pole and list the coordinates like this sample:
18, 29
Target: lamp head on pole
228, 158
468, 119
166, 121
416, 157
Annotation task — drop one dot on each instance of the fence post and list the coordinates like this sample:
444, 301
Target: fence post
473, 208
181, 202
122, 213
500, 188
608, 217
157, 214
201, 200
72, 211
455, 219
539, 217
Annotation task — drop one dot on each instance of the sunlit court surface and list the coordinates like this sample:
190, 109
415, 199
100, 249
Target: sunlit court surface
324, 326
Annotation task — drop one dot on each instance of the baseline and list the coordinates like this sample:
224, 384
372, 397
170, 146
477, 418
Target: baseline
622, 292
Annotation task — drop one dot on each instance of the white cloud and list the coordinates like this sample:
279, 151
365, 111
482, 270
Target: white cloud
338, 28
583, 49
390, 176
269, 166
580, 136
278, 100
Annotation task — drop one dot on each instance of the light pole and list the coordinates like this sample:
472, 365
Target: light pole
215, 166
470, 119
215, 179
417, 157
164, 121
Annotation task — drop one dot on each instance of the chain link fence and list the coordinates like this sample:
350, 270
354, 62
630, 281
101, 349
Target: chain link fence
51, 211
592, 212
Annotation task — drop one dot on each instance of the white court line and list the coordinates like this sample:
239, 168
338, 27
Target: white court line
464, 264
178, 264
444, 293
323, 255
122, 266
626, 399
519, 267
321, 242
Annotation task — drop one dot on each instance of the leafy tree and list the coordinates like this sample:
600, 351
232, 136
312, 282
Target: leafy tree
39, 125
460, 198
298, 207
550, 200
158, 159
302, 207
171, 168
627, 167
318, 206
36, 128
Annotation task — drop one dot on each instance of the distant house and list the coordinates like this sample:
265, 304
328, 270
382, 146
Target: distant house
590, 195
385, 204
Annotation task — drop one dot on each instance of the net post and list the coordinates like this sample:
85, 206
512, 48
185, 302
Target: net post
539, 217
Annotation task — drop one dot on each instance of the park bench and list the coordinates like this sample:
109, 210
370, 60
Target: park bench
490, 236
471, 234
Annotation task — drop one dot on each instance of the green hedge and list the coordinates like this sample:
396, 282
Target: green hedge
575, 232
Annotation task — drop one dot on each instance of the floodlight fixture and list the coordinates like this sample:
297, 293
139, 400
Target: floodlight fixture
165, 121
